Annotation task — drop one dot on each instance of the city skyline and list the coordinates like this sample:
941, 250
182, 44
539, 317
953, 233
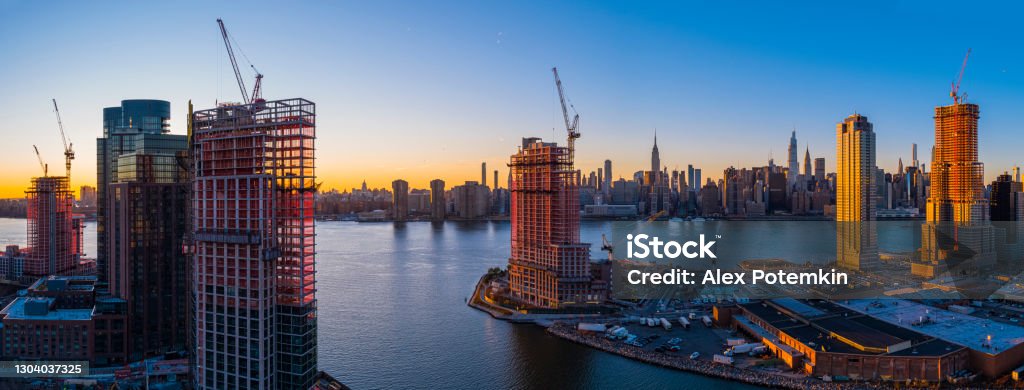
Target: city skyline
726, 82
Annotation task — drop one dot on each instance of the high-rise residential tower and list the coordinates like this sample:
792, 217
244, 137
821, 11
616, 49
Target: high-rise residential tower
438, 207
689, 176
147, 267
856, 237
913, 155
607, 179
400, 200
254, 245
549, 267
52, 237
134, 122
956, 232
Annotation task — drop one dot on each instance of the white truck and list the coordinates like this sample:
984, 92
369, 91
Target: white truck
744, 348
665, 324
722, 359
684, 322
706, 320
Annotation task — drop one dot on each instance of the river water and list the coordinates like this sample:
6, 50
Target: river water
392, 310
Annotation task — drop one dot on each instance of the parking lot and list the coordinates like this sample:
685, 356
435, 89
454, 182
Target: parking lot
698, 338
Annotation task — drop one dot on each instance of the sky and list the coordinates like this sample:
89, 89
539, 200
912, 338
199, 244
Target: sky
425, 90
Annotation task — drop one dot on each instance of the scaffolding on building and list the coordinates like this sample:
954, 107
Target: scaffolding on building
253, 191
50, 227
549, 266
957, 234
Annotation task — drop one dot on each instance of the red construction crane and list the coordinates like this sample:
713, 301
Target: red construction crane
257, 94
572, 128
68, 153
954, 92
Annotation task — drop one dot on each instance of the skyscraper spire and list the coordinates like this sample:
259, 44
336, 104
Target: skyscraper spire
807, 162
655, 159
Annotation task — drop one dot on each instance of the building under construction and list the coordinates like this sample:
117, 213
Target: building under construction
957, 233
253, 242
549, 266
52, 233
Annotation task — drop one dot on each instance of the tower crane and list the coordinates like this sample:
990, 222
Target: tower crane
41, 163
572, 128
955, 87
257, 93
69, 154
607, 247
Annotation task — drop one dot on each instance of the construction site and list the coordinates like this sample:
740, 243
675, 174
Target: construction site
54, 232
253, 239
549, 267
957, 236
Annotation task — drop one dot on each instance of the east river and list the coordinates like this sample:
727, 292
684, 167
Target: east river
392, 310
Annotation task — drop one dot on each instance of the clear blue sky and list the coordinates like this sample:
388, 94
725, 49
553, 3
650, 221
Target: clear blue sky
418, 90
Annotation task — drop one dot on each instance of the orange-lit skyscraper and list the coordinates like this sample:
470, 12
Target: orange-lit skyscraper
856, 237
957, 232
957, 176
254, 245
549, 266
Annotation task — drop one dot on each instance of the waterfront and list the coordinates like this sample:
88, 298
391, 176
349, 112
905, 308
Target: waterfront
393, 314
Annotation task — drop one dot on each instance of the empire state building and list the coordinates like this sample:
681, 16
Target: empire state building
655, 159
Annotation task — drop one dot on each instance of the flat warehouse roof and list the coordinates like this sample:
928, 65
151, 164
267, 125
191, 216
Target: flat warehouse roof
858, 333
799, 308
962, 329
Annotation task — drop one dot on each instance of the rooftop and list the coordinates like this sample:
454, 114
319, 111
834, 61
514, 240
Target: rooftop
859, 334
63, 283
16, 311
819, 341
770, 315
933, 347
962, 329
799, 308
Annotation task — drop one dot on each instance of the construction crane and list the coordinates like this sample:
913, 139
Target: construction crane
572, 128
607, 247
41, 163
69, 154
955, 87
257, 93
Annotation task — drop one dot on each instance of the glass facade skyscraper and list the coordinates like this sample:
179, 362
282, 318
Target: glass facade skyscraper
125, 128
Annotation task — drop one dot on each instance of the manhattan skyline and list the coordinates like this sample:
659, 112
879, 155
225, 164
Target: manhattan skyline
419, 92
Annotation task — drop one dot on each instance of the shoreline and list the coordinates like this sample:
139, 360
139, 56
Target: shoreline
703, 367
566, 332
